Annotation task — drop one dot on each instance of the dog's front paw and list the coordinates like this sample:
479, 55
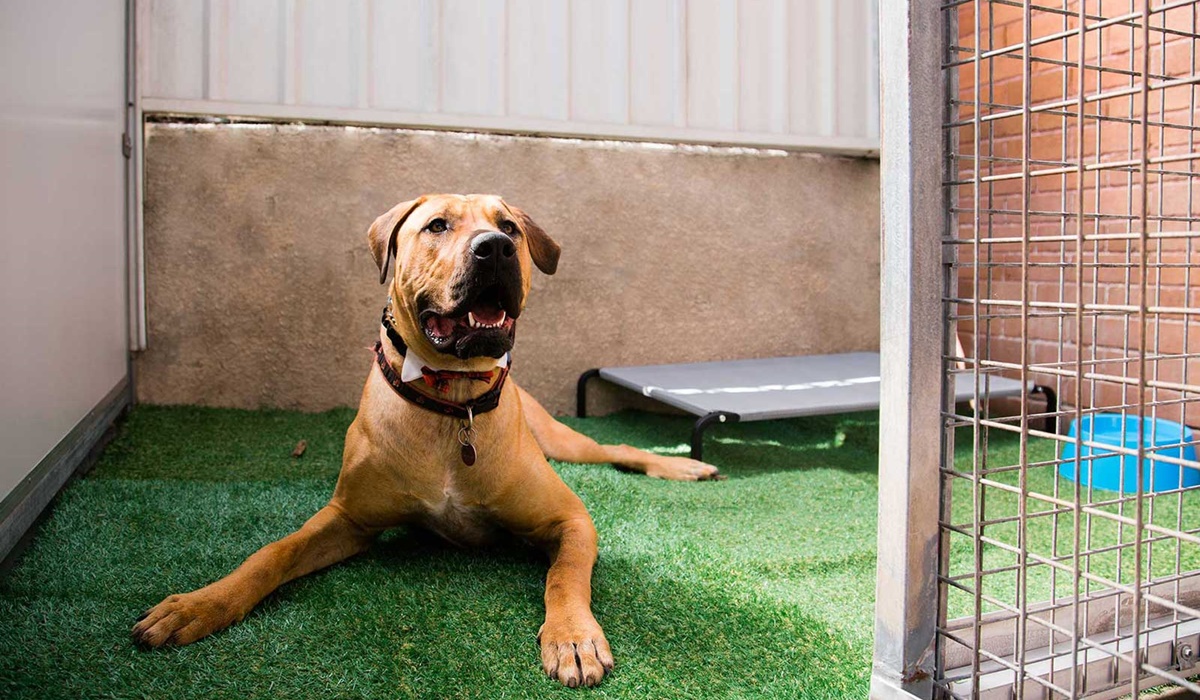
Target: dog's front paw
182, 619
681, 469
575, 652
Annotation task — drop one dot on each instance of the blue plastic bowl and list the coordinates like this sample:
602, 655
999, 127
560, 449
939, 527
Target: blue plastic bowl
1104, 470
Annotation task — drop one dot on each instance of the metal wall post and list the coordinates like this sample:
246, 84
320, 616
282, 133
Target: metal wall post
910, 435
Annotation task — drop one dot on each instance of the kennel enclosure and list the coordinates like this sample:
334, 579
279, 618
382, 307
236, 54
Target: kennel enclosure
1039, 194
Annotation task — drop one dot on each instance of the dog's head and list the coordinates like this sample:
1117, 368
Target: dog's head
462, 270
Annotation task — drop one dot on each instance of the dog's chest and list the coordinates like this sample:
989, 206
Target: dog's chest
458, 519
422, 459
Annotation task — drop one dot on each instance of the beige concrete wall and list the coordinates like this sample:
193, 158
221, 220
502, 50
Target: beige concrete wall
261, 290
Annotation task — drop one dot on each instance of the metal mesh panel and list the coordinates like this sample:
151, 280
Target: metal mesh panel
1070, 535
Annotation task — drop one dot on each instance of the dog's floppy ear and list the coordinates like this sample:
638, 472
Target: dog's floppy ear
542, 248
382, 234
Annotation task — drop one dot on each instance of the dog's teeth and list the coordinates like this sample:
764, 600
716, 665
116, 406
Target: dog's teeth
476, 323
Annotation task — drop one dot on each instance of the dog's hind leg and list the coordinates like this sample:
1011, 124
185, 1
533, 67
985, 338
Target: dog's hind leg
328, 537
565, 445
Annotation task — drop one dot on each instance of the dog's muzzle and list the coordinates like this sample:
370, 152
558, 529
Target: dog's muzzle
488, 291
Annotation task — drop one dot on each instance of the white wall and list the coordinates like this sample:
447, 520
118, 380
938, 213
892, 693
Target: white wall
63, 331
786, 73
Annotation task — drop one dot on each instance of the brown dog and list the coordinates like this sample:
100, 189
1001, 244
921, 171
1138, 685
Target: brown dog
414, 454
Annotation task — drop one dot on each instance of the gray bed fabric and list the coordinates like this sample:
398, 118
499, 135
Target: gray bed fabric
780, 387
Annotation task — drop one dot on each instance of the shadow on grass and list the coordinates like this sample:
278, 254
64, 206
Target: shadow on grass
414, 617
848, 442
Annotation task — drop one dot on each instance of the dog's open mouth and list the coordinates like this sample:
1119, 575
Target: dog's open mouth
482, 326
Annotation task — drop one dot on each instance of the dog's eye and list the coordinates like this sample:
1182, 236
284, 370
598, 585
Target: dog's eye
436, 226
508, 227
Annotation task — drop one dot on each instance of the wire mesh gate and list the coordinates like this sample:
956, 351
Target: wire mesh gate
1069, 539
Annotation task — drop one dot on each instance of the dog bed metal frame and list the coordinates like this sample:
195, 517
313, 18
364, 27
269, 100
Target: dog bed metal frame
779, 387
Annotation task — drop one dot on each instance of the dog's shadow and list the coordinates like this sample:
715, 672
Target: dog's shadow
415, 607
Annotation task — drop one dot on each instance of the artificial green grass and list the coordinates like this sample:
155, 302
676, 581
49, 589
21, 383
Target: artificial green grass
757, 586
1105, 546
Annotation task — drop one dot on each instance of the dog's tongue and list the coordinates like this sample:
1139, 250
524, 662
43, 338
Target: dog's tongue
487, 312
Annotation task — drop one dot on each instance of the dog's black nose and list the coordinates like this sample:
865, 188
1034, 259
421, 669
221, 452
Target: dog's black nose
493, 245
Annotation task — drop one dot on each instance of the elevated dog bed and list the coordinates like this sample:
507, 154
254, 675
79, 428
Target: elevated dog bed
778, 387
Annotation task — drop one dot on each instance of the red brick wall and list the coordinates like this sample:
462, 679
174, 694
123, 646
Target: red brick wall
1111, 200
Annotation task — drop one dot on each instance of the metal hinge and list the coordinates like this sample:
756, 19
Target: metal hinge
126, 146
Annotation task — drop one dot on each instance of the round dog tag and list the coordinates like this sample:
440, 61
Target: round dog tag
466, 438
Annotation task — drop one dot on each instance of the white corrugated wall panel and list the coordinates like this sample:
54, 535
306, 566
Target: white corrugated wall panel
870, 51
405, 55
762, 58
473, 57
251, 40
851, 65
811, 77
712, 67
172, 48
657, 63
539, 59
599, 61
790, 73
328, 44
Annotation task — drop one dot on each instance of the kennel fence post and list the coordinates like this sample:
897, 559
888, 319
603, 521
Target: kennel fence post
911, 322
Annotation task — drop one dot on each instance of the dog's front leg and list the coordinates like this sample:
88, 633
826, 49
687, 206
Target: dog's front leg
574, 650
327, 537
